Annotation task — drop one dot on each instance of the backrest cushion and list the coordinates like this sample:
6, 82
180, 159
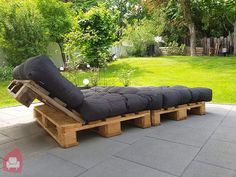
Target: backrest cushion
42, 70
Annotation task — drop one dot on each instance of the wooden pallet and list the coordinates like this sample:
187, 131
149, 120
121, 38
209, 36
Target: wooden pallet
178, 113
63, 128
26, 91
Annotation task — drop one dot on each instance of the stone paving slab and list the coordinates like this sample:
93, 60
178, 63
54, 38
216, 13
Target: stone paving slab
48, 166
171, 149
1, 160
185, 135
219, 109
92, 150
23, 130
230, 120
197, 169
225, 134
161, 155
219, 153
5, 139
115, 167
16, 111
131, 134
30, 145
197, 122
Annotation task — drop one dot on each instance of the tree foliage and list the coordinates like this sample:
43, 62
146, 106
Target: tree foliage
128, 12
84, 5
57, 19
93, 36
142, 34
22, 31
214, 18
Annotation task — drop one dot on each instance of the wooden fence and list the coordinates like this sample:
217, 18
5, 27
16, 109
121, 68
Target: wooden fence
215, 46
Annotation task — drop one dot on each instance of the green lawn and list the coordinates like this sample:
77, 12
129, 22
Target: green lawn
5, 98
218, 73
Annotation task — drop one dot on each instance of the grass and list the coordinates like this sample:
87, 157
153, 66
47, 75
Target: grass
218, 73
5, 98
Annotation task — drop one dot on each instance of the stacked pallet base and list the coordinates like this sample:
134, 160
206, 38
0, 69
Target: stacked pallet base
63, 128
63, 123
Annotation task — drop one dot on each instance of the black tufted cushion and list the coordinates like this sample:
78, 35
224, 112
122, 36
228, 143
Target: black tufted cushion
201, 94
41, 70
102, 105
185, 93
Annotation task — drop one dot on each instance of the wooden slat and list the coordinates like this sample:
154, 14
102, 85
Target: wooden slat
179, 112
57, 117
63, 128
43, 96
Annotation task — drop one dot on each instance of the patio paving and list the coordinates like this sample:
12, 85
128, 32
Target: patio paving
201, 146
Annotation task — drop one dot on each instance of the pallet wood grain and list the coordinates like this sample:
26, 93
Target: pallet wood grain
63, 128
178, 113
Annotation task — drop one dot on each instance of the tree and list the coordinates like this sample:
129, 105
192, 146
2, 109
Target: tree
186, 8
84, 5
175, 29
58, 19
231, 17
127, 12
143, 33
213, 18
22, 31
93, 36
235, 37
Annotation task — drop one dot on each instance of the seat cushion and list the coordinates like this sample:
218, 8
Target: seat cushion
170, 97
201, 94
154, 99
100, 106
135, 103
185, 93
41, 70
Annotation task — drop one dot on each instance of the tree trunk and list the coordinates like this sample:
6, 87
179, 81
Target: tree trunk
192, 32
62, 53
185, 5
235, 37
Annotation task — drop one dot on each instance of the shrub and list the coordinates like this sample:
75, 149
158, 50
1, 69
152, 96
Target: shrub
93, 36
22, 33
125, 76
57, 17
5, 73
94, 77
174, 49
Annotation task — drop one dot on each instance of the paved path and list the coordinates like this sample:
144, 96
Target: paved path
201, 146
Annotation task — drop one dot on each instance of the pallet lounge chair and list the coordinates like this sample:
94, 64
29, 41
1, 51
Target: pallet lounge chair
61, 122
59, 114
67, 109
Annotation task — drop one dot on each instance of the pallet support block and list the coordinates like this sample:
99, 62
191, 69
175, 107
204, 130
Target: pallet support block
200, 110
144, 121
67, 138
110, 130
179, 114
155, 118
